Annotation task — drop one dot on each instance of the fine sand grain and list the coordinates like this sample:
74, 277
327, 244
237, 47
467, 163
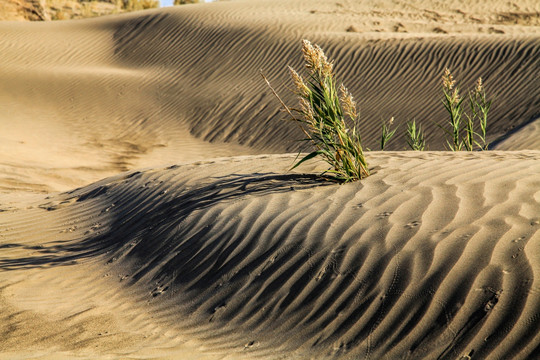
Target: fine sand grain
147, 209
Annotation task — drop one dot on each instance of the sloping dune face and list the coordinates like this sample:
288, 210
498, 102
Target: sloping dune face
434, 256
398, 78
195, 240
152, 88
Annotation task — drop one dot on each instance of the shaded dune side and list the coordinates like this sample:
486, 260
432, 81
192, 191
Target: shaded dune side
143, 87
433, 256
209, 64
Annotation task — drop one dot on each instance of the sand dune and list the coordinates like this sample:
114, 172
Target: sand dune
147, 209
125, 92
433, 256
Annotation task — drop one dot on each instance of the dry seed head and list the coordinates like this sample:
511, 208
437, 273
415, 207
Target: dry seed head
307, 110
348, 103
310, 56
315, 59
479, 87
448, 80
391, 120
301, 87
326, 65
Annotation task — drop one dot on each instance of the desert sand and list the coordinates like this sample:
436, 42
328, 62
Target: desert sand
148, 209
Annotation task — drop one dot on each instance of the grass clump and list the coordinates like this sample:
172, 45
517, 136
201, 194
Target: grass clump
135, 5
463, 133
415, 136
322, 116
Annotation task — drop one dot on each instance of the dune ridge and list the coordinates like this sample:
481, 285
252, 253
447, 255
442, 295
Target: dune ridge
435, 255
151, 88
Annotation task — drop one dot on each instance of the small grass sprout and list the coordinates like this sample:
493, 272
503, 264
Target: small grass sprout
386, 133
415, 136
322, 112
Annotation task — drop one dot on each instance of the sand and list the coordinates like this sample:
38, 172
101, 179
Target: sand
147, 209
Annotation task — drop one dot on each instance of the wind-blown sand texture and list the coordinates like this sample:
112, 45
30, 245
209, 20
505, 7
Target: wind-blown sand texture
147, 209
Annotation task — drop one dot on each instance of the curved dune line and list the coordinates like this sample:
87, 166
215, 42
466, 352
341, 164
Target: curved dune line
432, 256
399, 76
197, 70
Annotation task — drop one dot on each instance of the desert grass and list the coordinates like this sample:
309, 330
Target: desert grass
386, 133
479, 105
322, 114
463, 130
325, 110
65, 10
415, 136
453, 104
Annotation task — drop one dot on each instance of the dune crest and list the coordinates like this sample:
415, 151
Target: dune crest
435, 255
143, 89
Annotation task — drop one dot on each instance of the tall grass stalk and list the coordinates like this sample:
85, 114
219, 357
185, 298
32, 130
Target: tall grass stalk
415, 136
321, 115
453, 104
468, 137
386, 133
480, 106
463, 132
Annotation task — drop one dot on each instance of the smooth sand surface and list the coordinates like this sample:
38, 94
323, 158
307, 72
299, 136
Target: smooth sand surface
147, 209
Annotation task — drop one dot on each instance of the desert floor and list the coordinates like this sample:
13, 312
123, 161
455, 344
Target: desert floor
147, 209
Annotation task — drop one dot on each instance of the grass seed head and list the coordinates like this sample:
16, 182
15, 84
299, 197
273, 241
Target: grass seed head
448, 80
479, 88
315, 59
348, 103
455, 96
301, 88
307, 110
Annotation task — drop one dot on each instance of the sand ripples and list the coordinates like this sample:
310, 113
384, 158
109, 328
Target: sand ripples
394, 77
414, 262
433, 256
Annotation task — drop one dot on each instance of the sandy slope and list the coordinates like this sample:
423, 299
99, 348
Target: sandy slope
436, 255
125, 92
